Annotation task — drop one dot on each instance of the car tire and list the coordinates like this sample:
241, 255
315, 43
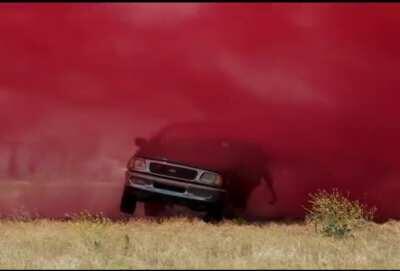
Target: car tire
128, 203
214, 214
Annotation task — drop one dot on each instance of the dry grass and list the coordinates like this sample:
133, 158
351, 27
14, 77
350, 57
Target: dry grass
181, 243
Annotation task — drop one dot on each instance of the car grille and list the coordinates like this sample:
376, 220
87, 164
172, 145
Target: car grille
173, 171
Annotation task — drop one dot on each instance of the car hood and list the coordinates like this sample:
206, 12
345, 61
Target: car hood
208, 156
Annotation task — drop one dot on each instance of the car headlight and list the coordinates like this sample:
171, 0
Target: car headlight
136, 163
211, 178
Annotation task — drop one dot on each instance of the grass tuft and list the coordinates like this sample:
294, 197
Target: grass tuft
334, 214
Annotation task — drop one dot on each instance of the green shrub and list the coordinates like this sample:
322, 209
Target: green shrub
334, 214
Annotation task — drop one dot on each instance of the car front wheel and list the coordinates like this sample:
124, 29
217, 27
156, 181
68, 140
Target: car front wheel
214, 214
128, 203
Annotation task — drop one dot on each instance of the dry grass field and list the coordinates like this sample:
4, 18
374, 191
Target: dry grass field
183, 243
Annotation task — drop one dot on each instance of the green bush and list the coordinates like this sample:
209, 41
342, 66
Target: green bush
334, 214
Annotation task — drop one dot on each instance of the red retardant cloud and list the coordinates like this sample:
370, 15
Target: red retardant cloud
315, 85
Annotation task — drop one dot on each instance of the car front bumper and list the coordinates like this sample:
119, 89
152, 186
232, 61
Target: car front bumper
150, 187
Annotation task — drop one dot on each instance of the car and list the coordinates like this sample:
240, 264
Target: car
196, 165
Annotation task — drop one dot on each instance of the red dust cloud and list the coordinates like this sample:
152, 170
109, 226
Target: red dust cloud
314, 85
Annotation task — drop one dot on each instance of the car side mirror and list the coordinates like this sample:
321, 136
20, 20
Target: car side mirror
140, 141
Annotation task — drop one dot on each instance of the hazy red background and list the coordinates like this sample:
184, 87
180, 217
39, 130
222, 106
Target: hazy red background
315, 84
